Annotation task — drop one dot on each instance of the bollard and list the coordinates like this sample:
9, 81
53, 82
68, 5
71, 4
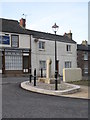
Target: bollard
56, 83
30, 77
41, 72
34, 77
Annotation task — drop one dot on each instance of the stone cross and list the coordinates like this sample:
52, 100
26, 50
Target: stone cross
48, 71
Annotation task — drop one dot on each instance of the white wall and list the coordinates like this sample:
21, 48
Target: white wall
49, 52
63, 55
37, 55
24, 41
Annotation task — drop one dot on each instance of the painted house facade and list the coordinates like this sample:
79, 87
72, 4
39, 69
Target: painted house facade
28, 49
14, 47
43, 48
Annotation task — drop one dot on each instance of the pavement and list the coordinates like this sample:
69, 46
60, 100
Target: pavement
64, 89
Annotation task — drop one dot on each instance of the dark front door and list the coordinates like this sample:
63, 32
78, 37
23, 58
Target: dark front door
25, 64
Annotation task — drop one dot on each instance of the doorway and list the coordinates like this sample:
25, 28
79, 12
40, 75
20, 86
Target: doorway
26, 64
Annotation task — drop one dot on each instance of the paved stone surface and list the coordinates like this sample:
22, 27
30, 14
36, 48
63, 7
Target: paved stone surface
19, 103
83, 93
64, 89
50, 86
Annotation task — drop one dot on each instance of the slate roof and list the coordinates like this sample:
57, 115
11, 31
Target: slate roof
49, 36
83, 47
12, 26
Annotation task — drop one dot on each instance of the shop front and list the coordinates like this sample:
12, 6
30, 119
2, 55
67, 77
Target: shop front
15, 61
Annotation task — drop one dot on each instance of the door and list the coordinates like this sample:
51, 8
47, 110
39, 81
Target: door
26, 64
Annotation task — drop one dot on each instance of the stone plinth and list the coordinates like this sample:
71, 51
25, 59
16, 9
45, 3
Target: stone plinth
48, 80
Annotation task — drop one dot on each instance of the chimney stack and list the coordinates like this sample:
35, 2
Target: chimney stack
23, 22
84, 42
69, 35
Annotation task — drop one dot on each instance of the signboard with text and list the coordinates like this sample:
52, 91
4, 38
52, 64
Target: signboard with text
5, 40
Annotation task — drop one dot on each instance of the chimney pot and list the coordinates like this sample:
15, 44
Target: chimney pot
23, 22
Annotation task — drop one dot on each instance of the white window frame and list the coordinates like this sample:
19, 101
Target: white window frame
68, 48
42, 64
15, 43
85, 68
85, 55
13, 61
68, 64
41, 45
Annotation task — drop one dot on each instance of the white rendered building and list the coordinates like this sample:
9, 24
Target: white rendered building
23, 49
43, 48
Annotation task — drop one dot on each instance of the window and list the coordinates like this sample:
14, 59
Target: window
15, 41
86, 56
41, 45
13, 61
68, 64
85, 68
68, 47
0, 59
42, 64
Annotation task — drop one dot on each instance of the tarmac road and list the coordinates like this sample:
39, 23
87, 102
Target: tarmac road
18, 103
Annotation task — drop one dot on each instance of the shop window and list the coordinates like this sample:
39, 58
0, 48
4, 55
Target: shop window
14, 40
13, 61
42, 64
41, 45
68, 64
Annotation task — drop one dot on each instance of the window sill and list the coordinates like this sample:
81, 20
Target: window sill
85, 59
14, 47
42, 69
85, 72
69, 52
41, 49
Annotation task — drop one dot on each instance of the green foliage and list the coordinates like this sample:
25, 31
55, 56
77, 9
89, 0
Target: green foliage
81, 82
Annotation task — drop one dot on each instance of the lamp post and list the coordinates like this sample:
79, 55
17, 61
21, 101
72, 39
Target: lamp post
55, 29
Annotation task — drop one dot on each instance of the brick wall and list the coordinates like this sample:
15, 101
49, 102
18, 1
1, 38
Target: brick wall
82, 63
89, 63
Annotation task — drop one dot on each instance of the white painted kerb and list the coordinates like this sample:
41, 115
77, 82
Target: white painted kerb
25, 85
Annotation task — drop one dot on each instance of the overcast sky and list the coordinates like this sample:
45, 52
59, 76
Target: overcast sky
41, 16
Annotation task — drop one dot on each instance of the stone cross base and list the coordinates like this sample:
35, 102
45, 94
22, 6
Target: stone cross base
48, 80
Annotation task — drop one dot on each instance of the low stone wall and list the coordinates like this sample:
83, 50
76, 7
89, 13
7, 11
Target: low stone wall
72, 74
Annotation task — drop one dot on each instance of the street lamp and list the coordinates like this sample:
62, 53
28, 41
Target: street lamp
55, 29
